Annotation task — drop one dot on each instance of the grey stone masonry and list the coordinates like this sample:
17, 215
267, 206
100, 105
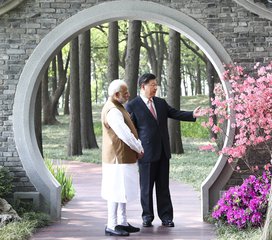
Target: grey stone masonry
246, 37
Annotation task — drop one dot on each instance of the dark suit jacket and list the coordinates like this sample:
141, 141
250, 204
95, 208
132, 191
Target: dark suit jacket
154, 133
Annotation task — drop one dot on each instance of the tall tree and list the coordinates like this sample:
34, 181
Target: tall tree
54, 81
66, 110
113, 52
154, 43
86, 118
50, 102
198, 78
74, 144
133, 56
173, 94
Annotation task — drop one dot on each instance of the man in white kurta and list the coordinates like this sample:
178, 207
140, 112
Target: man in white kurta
120, 150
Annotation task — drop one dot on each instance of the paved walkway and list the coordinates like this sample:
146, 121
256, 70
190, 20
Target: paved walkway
84, 217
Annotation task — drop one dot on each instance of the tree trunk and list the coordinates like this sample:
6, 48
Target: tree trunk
61, 83
267, 230
173, 95
54, 81
38, 119
49, 118
183, 80
156, 49
86, 118
160, 55
50, 103
132, 57
54, 78
66, 110
198, 79
113, 52
96, 82
74, 144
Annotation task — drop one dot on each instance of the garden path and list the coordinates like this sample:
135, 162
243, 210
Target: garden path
84, 217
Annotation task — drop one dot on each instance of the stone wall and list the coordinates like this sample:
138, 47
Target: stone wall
245, 36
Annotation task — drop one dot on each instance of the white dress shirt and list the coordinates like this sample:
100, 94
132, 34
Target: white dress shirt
116, 121
147, 103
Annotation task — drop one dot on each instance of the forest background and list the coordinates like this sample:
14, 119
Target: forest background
78, 76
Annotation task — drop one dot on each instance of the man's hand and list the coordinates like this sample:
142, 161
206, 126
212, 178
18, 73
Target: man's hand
200, 112
197, 112
140, 155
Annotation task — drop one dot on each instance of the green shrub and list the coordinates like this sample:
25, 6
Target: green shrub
40, 219
23, 229
5, 182
21, 206
59, 172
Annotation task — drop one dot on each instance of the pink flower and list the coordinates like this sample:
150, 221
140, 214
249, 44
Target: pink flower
208, 147
250, 102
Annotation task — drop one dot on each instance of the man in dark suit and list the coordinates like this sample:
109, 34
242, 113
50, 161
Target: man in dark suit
150, 115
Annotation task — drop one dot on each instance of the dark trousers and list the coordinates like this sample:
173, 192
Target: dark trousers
155, 173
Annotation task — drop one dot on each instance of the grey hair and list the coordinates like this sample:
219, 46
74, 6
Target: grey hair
115, 86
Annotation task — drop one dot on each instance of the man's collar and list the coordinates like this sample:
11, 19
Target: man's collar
144, 98
115, 102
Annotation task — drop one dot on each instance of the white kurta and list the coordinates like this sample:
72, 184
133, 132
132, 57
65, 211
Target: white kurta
120, 182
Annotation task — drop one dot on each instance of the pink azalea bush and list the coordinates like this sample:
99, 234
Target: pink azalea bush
250, 102
246, 205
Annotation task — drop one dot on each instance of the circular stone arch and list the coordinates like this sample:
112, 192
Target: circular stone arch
7, 5
255, 7
25, 96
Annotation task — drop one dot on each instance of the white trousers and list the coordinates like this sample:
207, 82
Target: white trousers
120, 182
116, 214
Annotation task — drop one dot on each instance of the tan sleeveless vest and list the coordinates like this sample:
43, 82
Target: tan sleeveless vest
112, 147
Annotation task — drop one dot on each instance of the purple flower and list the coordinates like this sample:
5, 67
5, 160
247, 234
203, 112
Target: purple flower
245, 205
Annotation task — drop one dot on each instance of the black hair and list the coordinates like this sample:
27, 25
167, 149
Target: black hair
145, 78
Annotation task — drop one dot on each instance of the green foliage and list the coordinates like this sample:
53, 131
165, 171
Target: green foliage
59, 172
22, 207
232, 233
91, 155
191, 102
55, 140
23, 229
194, 130
17, 230
41, 219
98, 129
193, 166
5, 181
153, 36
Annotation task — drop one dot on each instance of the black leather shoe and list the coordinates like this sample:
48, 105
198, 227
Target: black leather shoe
147, 223
116, 232
129, 228
168, 223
